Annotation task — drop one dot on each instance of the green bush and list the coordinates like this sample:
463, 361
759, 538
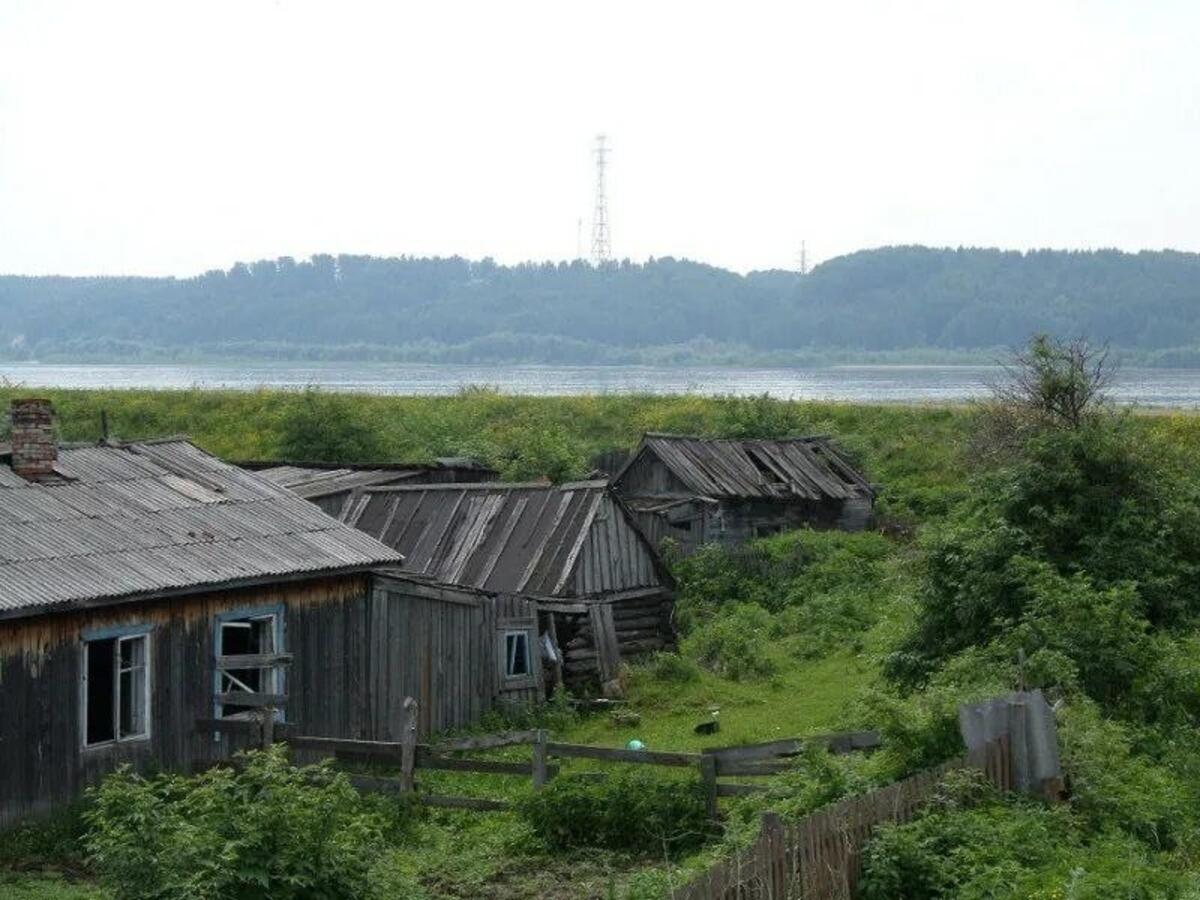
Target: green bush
632, 809
325, 427
735, 644
264, 830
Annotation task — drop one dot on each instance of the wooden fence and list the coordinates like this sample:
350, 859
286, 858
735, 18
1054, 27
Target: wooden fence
819, 857
408, 756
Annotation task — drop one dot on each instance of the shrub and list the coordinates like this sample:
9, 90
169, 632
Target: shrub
633, 810
735, 644
327, 428
265, 830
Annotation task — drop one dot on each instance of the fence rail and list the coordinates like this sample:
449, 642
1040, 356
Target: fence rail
408, 756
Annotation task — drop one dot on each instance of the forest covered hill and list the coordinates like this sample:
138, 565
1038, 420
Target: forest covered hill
883, 303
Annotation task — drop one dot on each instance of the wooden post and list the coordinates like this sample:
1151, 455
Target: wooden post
540, 776
708, 775
408, 745
266, 723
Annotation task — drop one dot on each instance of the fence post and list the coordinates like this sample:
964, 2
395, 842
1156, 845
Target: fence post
708, 775
266, 727
408, 745
540, 776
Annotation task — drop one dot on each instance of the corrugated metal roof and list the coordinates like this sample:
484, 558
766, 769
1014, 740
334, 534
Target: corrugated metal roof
158, 518
495, 537
809, 467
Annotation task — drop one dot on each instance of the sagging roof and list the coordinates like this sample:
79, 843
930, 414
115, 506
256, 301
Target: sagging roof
808, 468
511, 538
312, 480
154, 519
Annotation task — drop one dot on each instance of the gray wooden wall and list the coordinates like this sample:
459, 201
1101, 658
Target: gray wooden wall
359, 649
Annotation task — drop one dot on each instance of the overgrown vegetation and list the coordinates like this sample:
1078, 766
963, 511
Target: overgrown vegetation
263, 829
631, 809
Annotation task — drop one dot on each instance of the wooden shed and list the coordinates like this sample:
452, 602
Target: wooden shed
574, 549
146, 586
698, 491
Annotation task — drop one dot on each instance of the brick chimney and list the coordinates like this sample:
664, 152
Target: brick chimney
34, 444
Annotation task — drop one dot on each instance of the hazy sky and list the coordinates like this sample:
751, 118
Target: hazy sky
174, 136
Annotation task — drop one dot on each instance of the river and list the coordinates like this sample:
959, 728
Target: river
1177, 388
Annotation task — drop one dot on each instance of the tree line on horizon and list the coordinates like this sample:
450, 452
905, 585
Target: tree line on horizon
888, 299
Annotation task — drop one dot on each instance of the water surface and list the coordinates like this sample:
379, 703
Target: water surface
1178, 388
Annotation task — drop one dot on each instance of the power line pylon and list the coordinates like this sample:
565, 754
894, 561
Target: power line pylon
601, 239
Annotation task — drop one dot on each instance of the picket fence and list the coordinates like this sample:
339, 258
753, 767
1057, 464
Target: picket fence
819, 856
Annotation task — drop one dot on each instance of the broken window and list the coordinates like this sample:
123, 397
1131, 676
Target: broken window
116, 688
248, 661
517, 663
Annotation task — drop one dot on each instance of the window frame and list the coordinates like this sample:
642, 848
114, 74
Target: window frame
275, 611
527, 628
118, 635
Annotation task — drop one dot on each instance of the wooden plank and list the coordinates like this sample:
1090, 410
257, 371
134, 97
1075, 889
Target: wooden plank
476, 803
748, 752
725, 789
239, 726
382, 751
649, 757
486, 741
253, 661
541, 772
604, 634
712, 790
741, 769
245, 698
436, 762
408, 744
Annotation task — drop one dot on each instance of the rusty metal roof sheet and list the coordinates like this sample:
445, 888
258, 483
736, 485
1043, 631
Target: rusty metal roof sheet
808, 468
497, 537
158, 518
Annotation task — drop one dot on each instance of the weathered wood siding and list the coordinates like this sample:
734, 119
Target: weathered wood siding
441, 646
42, 761
358, 650
647, 476
613, 555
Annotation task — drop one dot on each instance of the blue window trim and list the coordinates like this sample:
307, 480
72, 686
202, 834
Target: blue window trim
116, 631
249, 612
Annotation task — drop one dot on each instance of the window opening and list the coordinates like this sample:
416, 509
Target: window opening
116, 695
253, 635
516, 646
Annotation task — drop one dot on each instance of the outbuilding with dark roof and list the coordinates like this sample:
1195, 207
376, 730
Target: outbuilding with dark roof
574, 549
696, 490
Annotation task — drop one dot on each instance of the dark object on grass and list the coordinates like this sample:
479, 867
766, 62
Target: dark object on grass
710, 727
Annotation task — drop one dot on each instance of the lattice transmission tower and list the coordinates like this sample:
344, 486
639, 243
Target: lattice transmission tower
601, 239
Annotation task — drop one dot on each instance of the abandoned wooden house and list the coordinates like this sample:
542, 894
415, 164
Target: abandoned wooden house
698, 491
602, 591
330, 485
145, 587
